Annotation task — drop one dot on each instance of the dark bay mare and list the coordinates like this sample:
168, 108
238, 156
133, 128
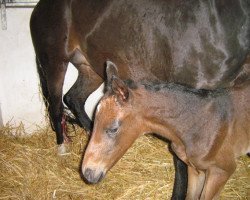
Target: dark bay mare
208, 129
200, 43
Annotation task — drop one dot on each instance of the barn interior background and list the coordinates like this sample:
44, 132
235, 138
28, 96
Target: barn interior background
26, 163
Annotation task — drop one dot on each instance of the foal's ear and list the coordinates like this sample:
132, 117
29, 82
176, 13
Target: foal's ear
111, 71
114, 83
120, 88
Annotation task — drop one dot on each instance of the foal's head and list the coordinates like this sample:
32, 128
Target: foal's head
116, 126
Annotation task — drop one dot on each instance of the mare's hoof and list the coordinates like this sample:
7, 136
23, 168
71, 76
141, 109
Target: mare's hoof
88, 133
63, 149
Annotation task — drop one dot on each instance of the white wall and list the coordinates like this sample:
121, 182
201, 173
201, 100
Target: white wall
20, 99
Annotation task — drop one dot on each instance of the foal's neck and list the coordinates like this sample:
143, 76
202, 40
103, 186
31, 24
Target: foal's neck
173, 111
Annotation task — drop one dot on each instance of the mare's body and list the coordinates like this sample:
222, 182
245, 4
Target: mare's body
200, 43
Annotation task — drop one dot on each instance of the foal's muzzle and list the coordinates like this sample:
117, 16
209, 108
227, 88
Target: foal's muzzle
92, 176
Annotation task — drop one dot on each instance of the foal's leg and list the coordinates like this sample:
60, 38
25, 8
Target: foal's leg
216, 178
87, 82
196, 182
180, 181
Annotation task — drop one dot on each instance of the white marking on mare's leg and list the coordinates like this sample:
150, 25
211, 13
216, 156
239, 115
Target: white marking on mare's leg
63, 149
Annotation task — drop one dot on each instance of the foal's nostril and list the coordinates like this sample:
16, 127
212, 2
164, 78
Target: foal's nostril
89, 174
91, 177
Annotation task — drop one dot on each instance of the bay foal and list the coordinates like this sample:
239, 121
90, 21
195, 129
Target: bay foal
207, 129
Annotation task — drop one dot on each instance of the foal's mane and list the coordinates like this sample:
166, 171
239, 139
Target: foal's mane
161, 86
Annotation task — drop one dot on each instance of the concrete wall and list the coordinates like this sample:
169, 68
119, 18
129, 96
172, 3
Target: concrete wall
20, 99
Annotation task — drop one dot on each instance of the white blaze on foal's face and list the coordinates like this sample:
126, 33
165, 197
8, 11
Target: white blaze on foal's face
98, 108
99, 155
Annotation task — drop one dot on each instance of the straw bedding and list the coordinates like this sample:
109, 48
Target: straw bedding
30, 168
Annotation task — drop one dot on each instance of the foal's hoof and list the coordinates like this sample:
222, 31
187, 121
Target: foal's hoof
63, 149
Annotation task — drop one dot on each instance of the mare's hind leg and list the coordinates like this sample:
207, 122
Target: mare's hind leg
55, 78
87, 82
51, 76
180, 181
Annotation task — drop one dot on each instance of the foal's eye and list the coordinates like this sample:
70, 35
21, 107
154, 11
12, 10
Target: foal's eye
113, 130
